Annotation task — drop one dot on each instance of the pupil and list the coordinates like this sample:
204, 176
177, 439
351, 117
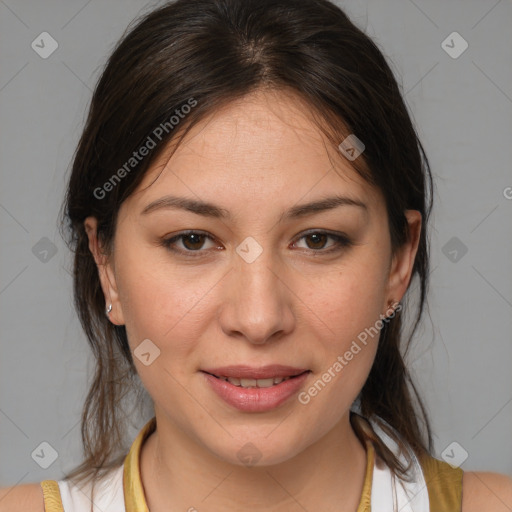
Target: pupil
317, 237
197, 241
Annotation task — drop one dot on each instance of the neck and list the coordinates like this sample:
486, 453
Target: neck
179, 474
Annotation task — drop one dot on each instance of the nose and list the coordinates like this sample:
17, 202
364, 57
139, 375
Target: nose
258, 303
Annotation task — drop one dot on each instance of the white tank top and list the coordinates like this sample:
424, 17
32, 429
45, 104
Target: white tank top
108, 494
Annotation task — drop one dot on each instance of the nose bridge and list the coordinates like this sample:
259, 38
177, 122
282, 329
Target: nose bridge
257, 305
258, 277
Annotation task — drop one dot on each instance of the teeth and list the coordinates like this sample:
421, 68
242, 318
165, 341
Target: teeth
248, 383
265, 383
253, 383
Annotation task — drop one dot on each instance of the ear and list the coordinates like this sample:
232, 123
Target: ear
105, 271
403, 260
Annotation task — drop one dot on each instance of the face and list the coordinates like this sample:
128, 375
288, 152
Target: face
261, 286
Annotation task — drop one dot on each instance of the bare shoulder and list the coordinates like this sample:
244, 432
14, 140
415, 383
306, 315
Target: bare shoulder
20, 498
491, 492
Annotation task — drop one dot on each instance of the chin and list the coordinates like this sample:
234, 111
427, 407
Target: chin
268, 449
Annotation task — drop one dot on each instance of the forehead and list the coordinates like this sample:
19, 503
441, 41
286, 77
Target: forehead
265, 145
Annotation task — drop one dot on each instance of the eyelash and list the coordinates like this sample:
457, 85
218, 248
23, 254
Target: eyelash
341, 242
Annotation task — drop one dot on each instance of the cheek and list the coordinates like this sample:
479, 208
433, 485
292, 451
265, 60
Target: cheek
162, 302
346, 307
347, 300
169, 307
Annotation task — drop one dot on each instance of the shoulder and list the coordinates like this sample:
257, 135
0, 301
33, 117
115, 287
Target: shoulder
20, 498
491, 492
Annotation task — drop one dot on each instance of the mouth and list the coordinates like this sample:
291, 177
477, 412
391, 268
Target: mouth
256, 389
249, 383
252, 377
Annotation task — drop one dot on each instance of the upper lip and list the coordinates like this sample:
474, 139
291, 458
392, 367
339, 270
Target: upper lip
251, 372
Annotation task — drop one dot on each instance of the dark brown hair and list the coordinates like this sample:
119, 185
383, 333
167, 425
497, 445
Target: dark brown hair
212, 52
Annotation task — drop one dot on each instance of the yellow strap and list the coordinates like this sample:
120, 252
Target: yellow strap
133, 489
51, 494
444, 484
366, 495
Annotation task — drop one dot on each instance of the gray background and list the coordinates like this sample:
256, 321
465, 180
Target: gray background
463, 110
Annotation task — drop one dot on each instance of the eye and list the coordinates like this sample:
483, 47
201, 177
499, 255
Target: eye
318, 239
192, 241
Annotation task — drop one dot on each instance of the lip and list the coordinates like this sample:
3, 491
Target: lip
256, 399
251, 372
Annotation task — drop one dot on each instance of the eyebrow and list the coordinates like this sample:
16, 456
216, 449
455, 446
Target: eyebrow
210, 210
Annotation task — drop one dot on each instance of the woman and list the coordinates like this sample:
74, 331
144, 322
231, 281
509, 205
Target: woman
248, 205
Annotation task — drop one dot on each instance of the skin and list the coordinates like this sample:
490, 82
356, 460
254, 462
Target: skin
288, 306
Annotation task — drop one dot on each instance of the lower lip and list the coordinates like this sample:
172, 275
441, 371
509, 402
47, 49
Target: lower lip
256, 399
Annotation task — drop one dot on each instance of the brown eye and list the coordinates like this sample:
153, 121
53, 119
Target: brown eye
191, 242
316, 241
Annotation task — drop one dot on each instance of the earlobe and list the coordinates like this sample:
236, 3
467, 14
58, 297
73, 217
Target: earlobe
403, 260
106, 274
